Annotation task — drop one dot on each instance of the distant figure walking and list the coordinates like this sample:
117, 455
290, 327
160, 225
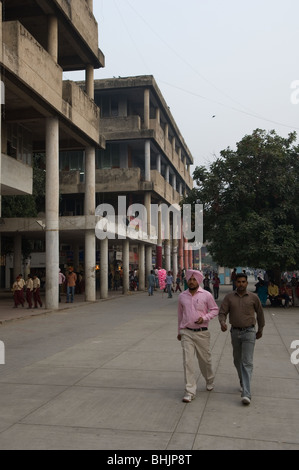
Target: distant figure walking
36, 291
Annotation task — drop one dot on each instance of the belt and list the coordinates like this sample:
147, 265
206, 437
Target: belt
197, 329
242, 329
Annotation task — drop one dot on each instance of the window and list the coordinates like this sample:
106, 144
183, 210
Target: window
19, 143
109, 158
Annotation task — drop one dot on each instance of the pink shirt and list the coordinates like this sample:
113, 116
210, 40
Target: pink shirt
191, 307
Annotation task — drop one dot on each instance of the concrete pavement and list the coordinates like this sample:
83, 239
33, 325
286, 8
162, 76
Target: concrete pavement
109, 376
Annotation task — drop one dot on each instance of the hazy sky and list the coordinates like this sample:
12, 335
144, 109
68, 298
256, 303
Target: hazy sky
232, 59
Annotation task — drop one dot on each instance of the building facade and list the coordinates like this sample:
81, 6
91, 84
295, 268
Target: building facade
106, 142
43, 113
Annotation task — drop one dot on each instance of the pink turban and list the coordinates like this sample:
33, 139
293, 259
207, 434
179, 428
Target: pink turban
197, 274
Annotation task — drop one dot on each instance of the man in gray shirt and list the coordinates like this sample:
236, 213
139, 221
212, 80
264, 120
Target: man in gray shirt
245, 310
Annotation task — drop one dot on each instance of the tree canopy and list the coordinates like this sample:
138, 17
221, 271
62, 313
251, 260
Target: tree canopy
250, 197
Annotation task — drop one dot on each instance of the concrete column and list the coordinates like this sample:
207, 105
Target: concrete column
159, 242
147, 205
190, 259
146, 108
89, 78
186, 255
90, 238
126, 265
104, 269
52, 212
167, 174
147, 152
165, 136
17, 256
148, 262
181, 249
158, 115
53, 37
174, 258
141, 267
174, 182
167, 255
181, 189
158, 163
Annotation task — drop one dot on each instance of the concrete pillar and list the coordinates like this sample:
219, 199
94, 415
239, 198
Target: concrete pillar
190, 259
167, 255
165, 136
159, 242
147, 151
174, 258
181, 250
147, 205
141, 267
17, 256
146, 108
158, 163
89, 79
148, 261
174, 182
90, 238
181, 189
186, 255
104, 269
126, 265
167, 174
52, 212
158, 115
53, 37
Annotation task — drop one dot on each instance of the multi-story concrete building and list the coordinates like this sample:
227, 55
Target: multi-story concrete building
146, 160
102, 139
39, 40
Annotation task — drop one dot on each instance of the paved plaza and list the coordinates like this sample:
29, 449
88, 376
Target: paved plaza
108, 375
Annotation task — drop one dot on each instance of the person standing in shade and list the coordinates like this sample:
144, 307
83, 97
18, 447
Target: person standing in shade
216, 284
169, 282
17, 289
244, 309
233, 278
71, 279
196, 307
29, 290
36, 291
151, 282
61, 281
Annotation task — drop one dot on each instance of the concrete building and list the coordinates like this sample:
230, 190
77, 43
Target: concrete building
146, 161
109, 142
39, 40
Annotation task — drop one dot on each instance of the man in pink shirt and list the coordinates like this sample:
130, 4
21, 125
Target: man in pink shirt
196, 307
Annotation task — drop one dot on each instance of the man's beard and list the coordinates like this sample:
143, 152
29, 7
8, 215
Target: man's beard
193, 288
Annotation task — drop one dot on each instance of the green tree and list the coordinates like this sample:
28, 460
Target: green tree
250, 197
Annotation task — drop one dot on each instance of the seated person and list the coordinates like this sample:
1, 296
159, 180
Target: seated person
285, 293
273, 293
262, 292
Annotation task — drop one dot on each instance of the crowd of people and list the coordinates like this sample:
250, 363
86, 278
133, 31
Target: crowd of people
282, 293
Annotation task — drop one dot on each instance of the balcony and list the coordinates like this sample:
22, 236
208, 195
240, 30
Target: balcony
16, 178
25, 58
